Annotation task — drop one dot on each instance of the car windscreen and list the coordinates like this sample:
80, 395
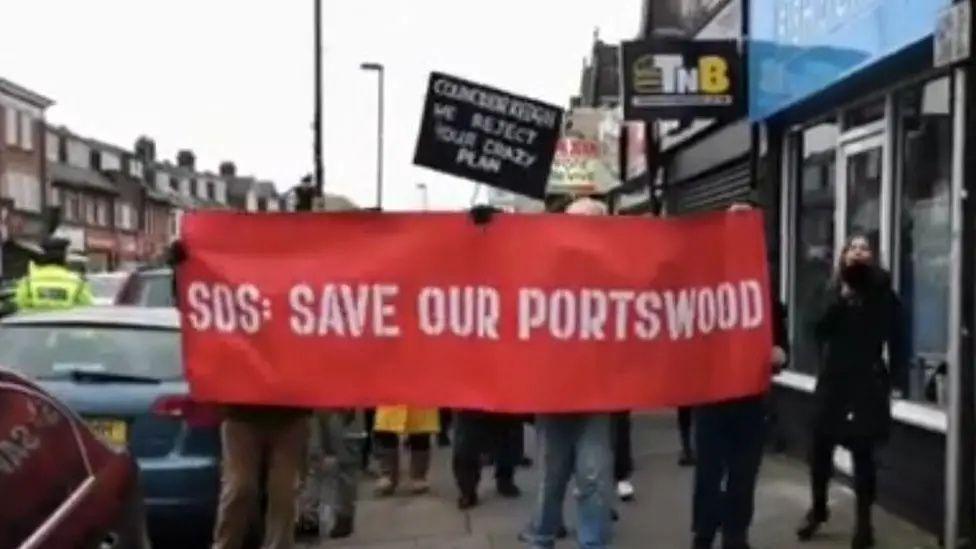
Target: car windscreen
63, 351
105, 287
155, 290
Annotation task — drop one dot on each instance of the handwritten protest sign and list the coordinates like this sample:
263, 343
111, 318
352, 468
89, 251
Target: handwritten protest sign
488, 135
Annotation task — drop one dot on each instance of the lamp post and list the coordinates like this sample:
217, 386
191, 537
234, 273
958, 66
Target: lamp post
379, 70
317, 125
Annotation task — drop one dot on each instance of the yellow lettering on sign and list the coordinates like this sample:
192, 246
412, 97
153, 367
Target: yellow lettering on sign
713, 73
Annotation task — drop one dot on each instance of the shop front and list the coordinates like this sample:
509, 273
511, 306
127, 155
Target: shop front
865, 135
101, 249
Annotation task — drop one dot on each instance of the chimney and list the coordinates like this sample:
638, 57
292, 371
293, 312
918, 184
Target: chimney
228, 169
186, 159
146, 150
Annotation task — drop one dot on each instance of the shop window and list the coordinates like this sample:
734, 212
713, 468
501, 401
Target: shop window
863, 169
815, 151
924, 232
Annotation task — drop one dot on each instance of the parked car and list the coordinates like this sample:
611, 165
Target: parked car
105, 287
120, 368
63, 486
152, 287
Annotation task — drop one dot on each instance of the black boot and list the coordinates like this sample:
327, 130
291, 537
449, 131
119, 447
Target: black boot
863, 531
343, 527
812, 523
467, 501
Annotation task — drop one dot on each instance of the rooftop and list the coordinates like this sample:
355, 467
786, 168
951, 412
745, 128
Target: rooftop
15, 90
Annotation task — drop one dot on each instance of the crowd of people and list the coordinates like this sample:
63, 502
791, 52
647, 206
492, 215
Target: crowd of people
284, 454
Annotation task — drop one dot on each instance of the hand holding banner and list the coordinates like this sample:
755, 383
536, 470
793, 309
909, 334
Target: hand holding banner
543, 313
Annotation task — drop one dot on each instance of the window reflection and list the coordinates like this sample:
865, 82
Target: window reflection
815, 235
925, 140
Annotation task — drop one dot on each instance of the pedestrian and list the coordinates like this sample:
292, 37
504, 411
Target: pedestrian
477, 433
729, 438
623, 458
418, 425
444, 436
687, 458
49, 284
575, 445
257, 442
333, 454
853, 396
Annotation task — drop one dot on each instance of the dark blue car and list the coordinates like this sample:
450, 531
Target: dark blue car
120, 369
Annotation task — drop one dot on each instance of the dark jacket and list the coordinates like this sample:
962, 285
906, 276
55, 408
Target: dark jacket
853, 396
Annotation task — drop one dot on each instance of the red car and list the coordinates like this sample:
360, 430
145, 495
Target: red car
63, 487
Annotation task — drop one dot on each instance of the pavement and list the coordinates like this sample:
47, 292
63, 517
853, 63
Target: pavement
658, 518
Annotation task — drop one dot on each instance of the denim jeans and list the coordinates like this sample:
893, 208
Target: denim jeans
580, 445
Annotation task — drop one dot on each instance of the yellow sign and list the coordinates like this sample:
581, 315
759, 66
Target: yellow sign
114, 432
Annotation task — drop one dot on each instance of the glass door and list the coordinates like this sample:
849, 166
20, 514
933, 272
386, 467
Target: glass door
860, 193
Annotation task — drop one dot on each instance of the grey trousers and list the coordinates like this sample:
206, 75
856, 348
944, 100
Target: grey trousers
333, 465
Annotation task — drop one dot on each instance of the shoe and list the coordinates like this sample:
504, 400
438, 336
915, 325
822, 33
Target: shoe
525, 462
736, 544
625, 490
419, 467
419, 487
562, 532
701, 542
343, 527
385, 487
307, 528
467, 501
811, 524
508, 489
687, 459
614, 515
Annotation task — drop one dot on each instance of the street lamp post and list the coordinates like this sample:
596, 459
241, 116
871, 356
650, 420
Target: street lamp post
379, 70
317, 125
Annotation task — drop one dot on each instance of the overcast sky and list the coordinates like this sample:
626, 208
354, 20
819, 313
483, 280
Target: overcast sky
233, 79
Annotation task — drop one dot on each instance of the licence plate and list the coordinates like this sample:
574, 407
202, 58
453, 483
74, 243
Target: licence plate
114, 432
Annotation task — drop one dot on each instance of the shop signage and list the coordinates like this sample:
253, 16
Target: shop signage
799, 48
488, 135
575, 167
100, 240
952, 35
682, 79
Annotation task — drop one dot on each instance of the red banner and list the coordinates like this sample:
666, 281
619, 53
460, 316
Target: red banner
526, 314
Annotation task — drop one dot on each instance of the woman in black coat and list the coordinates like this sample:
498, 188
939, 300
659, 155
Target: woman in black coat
853, 396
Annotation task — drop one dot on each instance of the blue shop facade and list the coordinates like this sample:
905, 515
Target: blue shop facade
857, 129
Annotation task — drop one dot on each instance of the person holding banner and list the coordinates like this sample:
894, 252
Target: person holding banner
580, 446
853, 395
729, 439
478, 433
257, 442
418, 425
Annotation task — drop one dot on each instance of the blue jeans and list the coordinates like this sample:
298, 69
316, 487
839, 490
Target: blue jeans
729, 441
580, 445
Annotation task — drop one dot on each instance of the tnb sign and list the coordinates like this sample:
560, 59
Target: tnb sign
682, 79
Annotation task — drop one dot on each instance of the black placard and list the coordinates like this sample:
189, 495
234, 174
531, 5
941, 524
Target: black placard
678, 79
488, 135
